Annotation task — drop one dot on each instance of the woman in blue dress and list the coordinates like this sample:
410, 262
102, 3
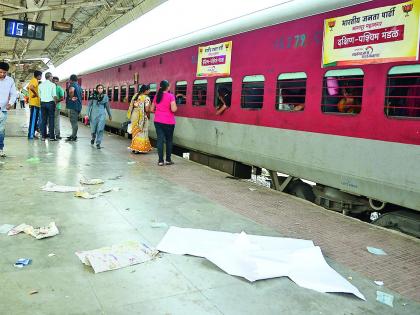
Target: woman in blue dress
97, 106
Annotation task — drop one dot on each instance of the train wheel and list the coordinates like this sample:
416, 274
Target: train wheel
302, 190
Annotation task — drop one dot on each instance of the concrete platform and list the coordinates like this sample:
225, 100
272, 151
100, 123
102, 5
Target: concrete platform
186, 195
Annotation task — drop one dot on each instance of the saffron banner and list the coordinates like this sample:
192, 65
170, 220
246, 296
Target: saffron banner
214, 60
385, 34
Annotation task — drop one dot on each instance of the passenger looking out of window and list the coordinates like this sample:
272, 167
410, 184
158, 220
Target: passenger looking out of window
224, 96
345, 103
180, 98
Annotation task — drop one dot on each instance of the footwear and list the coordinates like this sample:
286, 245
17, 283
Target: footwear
53, 139
69, 138
58, 137
98, 146
2, 154
43, 139
161, 164
92, 141
169, 163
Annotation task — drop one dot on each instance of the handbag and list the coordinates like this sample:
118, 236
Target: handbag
126, 125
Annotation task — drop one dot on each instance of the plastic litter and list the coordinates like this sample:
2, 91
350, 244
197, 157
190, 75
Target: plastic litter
33, 292
131, 162
376, 251
380, 283
385, 298
22, 262
252, 189
51, 255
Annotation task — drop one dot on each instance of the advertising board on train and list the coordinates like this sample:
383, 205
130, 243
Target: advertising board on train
214, 60
385, 34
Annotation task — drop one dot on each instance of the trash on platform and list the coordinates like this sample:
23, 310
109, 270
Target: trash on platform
49, 186
256, 257
376, 251
115, 177
5, 228
51, 255
22, 262
1, 162
86, 195
117, 256
380, 283
385, 298
159, 225
33, 292
38, 233
93, 181
33, 160
252, 189
131, 162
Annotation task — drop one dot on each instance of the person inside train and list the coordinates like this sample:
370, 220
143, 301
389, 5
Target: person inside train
348, 103
164, 107
224, 95
180, 99
199, 96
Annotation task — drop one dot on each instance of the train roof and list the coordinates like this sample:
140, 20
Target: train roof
288, 11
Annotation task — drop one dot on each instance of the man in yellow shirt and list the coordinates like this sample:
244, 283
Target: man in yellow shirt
34, 104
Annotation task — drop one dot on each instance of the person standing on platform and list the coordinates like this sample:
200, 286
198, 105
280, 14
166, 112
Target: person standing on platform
164, 107
74, 105
97, 105
48, 96
60, 98
34, 104
8, 96
21, 96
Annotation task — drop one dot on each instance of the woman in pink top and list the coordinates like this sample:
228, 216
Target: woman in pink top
164, 107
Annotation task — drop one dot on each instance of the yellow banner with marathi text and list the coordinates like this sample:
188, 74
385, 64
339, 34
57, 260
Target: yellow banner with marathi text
385, 34
214, 60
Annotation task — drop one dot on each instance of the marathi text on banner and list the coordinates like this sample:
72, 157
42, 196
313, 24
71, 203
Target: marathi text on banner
385, 34
214, 60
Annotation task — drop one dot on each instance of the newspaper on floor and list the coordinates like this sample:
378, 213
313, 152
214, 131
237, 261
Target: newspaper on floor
92, 181
5, 228
256, 257
117, 256
39, 232
49, 186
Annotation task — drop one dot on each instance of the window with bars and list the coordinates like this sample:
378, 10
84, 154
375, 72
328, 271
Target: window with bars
90, 93
402, 97
342, 91
291, 91
252, 92
109, 93
153, 89
131, 92
115, 98
181, 92
83, 95
199, 94
123, 93
223, 92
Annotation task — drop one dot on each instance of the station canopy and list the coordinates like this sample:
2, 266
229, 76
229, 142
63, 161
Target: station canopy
77, 26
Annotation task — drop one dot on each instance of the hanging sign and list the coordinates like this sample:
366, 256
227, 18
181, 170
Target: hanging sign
385, 34
214, 60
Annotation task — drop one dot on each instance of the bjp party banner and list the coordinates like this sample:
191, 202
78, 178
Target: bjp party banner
214, 60
386, 34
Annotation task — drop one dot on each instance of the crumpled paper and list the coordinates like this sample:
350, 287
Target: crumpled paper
39, 233
49, 186
92, 181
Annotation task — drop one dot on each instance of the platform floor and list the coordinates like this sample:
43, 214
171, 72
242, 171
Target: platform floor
186, 195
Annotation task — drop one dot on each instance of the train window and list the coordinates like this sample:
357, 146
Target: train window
83, 95
139, 86
87, 94
342, 91
131, 92
199, 94
181, 92
291, 91
109, 93
252, 92
153, 89
115, 98
403, 92
123, 93
223, 92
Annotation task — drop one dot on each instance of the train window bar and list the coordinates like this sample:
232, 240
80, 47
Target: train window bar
223, 90
342, 91
153, 89
402, 95
115, 98
109, 93
291, 92
123, 93
131, 92
199, 94
252, 95
181, 92
83, 95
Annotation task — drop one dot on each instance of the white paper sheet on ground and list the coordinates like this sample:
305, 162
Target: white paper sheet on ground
49, 186
259, 257
5, 228
39, 233
117, 256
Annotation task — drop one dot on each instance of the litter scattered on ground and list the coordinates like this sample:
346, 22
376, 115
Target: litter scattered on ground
2, 162
86, 195
131, 162
380, 283
33, 160
51, 255
350, 278
117, 256
33, 292
49, 186
5, 228
115, 177
159, 225
376, 251
256, 257
38, 233
252, 189
385, 298
93, 181
22, 262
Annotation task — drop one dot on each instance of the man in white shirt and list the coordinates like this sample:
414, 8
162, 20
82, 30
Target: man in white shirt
48, 96
8, 97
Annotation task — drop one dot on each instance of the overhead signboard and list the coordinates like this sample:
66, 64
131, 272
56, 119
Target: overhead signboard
24, 29
385, 34
62, 26
214, 60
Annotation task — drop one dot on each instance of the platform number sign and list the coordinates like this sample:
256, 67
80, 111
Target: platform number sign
24, 29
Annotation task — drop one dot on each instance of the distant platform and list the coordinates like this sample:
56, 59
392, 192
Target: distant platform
186, 194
